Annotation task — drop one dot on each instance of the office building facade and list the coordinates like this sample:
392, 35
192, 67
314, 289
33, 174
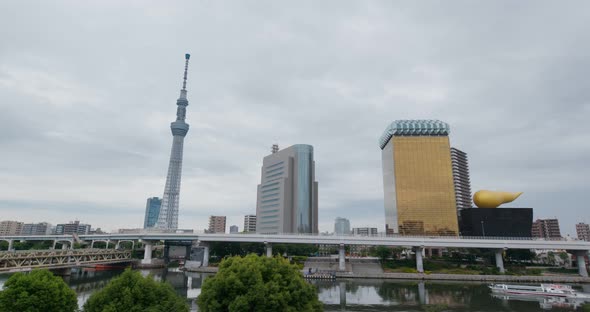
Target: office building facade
234, 229
583, 231
250, 224
365, 231
496, 222
216, 224
341, 226
11, 228
419, 193
546, 228
287, 197
461, 180
73, 227
152, 211
42, 228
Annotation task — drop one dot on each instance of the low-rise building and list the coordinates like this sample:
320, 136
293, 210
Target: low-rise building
217, 224
365, 231
42, 228
11, 227
546, 228
583, 231
73, 227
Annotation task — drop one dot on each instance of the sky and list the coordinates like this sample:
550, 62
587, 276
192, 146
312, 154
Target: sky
88, 90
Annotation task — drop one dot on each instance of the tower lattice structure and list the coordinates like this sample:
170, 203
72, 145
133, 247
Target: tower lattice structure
168, 218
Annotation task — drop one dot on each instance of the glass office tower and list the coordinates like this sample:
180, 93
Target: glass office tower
287, 195
152, 211
419, 194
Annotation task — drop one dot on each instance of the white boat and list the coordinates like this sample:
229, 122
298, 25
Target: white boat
553, 290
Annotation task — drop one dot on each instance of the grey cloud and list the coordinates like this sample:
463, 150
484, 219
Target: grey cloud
508, 76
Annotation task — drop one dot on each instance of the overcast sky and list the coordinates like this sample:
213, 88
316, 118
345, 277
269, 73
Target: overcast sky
88, 91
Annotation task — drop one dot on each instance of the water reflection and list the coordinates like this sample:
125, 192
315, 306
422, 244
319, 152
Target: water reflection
356, 294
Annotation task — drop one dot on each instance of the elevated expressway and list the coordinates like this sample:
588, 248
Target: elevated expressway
417, 243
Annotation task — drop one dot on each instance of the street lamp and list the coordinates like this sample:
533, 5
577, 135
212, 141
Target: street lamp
483, 230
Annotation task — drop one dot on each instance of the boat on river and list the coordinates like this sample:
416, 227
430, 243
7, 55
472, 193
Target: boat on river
545, 290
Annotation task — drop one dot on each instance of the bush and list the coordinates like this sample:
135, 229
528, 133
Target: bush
37, 291
254, 283
131, 292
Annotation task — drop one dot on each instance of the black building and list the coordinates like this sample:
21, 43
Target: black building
500, 222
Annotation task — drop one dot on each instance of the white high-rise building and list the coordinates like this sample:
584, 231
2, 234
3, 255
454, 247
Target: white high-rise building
168, 216
287, 200
250, 224
341, 226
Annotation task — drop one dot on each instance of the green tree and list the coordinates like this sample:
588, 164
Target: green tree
382, 252
254, 283
37, 291
131, 292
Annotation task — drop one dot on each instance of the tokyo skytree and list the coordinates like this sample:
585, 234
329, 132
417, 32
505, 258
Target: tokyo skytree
168, 217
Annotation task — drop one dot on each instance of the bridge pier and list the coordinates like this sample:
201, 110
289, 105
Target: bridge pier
581, 261
499, 260
205, 262
419, 261
341, 258
92, 244
10, 246
268, 249
147, 254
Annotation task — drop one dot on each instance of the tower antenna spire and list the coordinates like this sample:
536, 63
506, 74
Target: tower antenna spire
186, 57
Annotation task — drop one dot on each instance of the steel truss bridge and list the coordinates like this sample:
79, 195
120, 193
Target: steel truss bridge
25, 260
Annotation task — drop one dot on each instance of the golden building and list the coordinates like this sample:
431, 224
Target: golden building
418, 178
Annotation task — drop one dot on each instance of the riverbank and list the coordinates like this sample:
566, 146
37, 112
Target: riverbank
469, 277
447, 277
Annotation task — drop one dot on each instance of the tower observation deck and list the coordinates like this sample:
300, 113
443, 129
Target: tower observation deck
168, 217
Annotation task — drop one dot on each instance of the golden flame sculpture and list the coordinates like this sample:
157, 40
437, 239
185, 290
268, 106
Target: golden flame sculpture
491, 199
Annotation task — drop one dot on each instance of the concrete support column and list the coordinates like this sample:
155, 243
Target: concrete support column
64, 246
108, 242
500, 261
118, 245
341, 258
419, 262
147, 254
581, 260
205, 256
10, 247
54, 243
268, 249
92, 244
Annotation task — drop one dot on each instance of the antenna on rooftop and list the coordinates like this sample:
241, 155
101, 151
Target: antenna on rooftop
275, 148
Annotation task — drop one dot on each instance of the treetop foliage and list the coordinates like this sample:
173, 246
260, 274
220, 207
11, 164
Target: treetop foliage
254, 283
37, 291
131, 292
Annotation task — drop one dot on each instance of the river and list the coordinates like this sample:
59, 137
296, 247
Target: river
356, 294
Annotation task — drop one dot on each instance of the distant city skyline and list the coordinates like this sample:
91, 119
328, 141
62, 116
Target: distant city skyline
85, 110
